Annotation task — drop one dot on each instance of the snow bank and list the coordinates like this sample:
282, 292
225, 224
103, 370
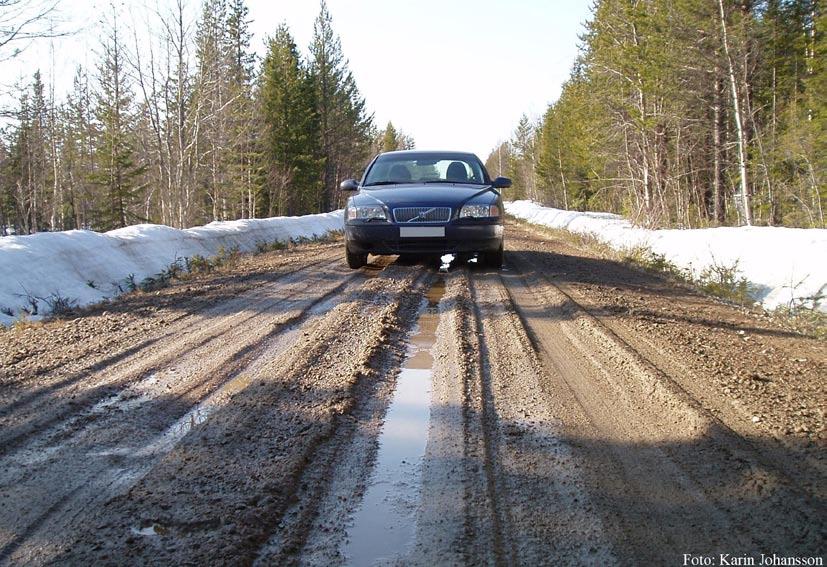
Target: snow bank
783, 266
66, 263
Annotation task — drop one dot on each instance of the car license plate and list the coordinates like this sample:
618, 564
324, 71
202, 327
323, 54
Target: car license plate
422, 231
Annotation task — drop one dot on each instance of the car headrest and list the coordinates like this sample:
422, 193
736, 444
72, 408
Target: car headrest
456, 172
399, 173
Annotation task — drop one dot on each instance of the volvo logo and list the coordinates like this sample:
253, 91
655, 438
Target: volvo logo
422, 214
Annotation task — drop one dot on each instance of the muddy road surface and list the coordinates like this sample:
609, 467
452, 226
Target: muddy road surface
568, 409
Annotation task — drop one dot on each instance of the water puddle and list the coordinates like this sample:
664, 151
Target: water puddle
385, 524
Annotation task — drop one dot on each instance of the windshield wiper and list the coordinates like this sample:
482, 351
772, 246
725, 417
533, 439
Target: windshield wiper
447, 181
375, 183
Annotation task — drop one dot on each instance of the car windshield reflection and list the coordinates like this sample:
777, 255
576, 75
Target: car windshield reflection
401, 169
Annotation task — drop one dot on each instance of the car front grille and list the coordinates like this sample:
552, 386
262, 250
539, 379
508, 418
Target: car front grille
422, 214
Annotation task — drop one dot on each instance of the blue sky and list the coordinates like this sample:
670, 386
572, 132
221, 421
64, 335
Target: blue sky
454, 74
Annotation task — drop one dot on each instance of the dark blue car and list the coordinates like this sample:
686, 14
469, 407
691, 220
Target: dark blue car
425, 203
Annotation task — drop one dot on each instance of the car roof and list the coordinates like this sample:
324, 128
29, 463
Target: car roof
415, 153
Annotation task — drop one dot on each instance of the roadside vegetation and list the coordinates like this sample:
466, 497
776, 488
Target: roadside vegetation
187, 129
686, 114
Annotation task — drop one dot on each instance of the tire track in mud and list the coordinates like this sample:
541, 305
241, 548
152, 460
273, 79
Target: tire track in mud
548, 509
683, 381
621, 437
256, 450
193, 297
106, 380
758, 376
446, 501
674, 384
338, 469
458, 378
114, 465
480, 400
177, 324
705, 476
240, 346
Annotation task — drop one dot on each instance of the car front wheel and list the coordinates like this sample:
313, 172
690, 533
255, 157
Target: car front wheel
355, 260
493, 259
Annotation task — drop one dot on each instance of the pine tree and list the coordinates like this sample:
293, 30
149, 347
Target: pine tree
78, 152
28, 159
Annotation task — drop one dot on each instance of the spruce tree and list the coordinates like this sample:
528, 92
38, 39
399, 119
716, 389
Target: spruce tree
344, 122
292, 152
78, 149
390, 138
243, 155
117, 173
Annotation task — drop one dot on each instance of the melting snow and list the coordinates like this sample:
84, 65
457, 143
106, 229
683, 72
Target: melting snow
86, 266
783, 266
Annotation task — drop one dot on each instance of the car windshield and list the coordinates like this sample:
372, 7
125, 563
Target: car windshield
423, 167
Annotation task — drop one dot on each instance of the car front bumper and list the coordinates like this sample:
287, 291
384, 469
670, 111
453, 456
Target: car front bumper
385, 238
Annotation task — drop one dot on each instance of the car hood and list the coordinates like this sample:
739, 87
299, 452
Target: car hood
447, 194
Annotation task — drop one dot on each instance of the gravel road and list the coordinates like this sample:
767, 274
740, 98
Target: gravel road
580, 411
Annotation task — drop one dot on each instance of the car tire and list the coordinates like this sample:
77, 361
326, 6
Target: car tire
409, 259
493, 259
354, 260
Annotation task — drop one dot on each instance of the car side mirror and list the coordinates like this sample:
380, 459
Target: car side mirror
349, 185
501, 183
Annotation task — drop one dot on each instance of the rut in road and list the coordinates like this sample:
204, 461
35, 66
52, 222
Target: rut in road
333, 481
263, 440
669, 474
63, 472
96, 381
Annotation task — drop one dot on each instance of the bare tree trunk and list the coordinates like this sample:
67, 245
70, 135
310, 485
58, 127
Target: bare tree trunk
563, 179
816, 195
739, 127
647, 177
4, 223
719, 203
634, 192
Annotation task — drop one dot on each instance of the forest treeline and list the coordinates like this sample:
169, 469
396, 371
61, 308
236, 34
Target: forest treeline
686, 113
187, 127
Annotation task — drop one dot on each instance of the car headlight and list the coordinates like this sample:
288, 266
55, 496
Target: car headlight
479, 211
366, 212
